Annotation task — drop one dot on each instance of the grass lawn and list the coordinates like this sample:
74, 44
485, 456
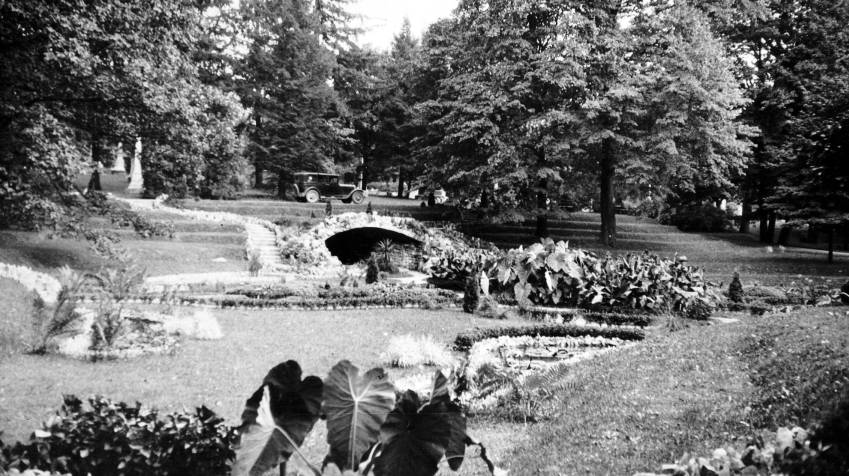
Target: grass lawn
172, 257
688, 391
220, 374
626, 411
157, 256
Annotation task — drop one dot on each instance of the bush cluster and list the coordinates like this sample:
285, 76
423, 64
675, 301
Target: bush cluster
701, 218
466, 340
117, 438
457, 265
550, 273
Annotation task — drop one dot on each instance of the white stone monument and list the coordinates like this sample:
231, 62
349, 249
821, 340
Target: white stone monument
118, 166
136, 180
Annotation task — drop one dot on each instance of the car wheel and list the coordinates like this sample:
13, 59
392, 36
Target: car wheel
357, 197
312, 196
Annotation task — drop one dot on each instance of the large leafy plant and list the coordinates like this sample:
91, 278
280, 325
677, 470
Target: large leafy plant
549, 273
370, 430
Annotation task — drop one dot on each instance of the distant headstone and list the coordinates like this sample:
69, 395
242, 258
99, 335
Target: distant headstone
118, 165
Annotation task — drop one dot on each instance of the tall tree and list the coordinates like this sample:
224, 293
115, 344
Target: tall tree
285, 80
506, 94
813, 81
400, 127
77, 77
361, 81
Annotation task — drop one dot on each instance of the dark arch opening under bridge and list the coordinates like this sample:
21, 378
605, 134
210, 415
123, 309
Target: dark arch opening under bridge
355, 245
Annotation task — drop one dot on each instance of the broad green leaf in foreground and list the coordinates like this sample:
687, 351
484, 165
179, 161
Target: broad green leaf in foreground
261, 445
455, 450
356, 406
415, 437
291, 405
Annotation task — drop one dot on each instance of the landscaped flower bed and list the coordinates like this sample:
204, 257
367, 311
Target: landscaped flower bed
317, 303
465, 340
126, 336
303, 296
517, 374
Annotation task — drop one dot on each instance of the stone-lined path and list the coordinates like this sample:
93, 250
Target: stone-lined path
263, 241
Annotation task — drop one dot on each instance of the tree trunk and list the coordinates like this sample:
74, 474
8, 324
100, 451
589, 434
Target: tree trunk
831, 244
542, 210
608, 211
764, 222
257, 166
813, 234
770, 228
845, 232
744, 218
485, 198
400, 182
281, 184
257, 176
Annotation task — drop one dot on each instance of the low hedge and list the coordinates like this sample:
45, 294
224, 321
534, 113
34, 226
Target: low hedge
466, 340
599, 317
226, 301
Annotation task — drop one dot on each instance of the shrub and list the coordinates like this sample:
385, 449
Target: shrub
698, 310
55, 321
702, 218
457, 265
254, 263
735, 289
471, 297
550, 273
116, 438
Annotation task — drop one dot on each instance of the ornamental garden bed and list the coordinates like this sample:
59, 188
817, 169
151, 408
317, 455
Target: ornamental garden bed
304, 296
515, 372
464, 341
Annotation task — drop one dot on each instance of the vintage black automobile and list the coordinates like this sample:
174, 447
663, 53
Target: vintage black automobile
314, 186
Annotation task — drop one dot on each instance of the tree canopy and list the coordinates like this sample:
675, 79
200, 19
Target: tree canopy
520, 108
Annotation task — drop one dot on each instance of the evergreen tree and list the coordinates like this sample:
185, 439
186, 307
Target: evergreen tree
814, 90
285, 80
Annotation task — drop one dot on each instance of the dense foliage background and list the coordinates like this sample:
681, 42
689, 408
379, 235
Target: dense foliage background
517, 107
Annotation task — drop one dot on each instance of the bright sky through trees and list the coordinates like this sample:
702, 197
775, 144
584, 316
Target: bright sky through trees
383, 18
